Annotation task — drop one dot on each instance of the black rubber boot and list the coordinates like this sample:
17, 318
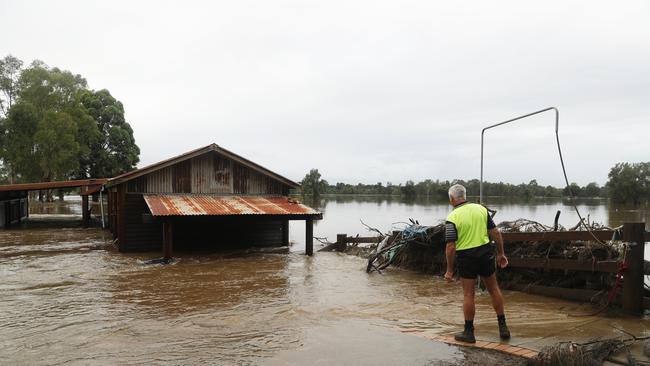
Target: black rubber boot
466, 336
504, 332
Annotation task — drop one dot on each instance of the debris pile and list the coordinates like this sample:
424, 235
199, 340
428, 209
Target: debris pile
422, 253
422, 249
594, 251
573, 354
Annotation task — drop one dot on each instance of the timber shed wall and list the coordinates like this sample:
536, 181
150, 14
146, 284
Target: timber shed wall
142, 234
208, 173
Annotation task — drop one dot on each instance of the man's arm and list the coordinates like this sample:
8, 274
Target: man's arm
450, 253
495, 235
451, 235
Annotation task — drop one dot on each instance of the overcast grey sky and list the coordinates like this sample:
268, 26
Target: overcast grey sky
365, 91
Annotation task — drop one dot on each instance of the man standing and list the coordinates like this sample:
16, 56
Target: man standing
468, 231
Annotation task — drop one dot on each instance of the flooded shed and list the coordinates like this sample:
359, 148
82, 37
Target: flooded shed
13, 207
14, 198
206, 199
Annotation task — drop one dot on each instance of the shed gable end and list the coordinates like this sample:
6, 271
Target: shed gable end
207, 173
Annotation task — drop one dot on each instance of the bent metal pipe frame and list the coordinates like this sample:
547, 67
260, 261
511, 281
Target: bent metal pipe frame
557, 123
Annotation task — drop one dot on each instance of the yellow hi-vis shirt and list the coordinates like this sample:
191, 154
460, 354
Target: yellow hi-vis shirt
470, 220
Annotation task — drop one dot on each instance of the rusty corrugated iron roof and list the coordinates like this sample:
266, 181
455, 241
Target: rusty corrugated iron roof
211, 205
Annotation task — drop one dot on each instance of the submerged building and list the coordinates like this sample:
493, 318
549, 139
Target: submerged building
14, 207
14, 198
208, 198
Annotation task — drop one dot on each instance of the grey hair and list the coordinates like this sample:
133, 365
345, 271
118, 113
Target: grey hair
458, 192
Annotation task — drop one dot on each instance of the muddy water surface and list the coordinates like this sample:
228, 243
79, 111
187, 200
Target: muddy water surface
68, 298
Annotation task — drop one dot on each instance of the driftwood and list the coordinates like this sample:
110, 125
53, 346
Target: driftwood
573, 354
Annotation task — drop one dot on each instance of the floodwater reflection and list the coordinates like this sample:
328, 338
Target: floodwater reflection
194, 284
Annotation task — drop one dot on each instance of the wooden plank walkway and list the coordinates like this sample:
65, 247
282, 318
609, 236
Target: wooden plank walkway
499, 347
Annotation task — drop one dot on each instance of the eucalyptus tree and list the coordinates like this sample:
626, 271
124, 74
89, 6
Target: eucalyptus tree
10, 69
114, 151
629, 183
52, 127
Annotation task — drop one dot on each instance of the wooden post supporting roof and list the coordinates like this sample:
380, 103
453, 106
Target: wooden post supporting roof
168, 239
7, 208
633, 234
309, 237
285, 232
85, 211
121, 216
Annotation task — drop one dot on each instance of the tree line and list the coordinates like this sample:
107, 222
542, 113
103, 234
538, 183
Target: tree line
628, 183
53, 127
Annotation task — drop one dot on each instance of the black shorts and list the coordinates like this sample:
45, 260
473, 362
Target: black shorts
477, 261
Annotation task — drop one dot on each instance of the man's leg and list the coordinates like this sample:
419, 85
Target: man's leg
469, 287
495, 293
497, 303
467, 335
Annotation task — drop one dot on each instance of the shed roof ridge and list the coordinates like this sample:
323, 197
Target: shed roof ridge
196, 152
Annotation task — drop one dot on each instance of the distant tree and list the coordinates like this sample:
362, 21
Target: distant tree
38, 96
18, 149
49, 89
114, 151
312, 184
3, 174
423, 188
592, 190
535, 190
408, 190
10, 68
473, 187
574, 189
629, 183
550, 191
438, 189
44, 108
88, 137
56, 146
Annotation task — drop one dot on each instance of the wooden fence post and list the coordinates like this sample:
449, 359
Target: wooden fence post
634, 235
341, 242
309, 237
168, 239
285, 232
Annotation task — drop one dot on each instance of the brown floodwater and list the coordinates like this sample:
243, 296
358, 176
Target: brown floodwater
67, 297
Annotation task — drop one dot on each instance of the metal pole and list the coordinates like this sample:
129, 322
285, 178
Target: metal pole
557, 122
